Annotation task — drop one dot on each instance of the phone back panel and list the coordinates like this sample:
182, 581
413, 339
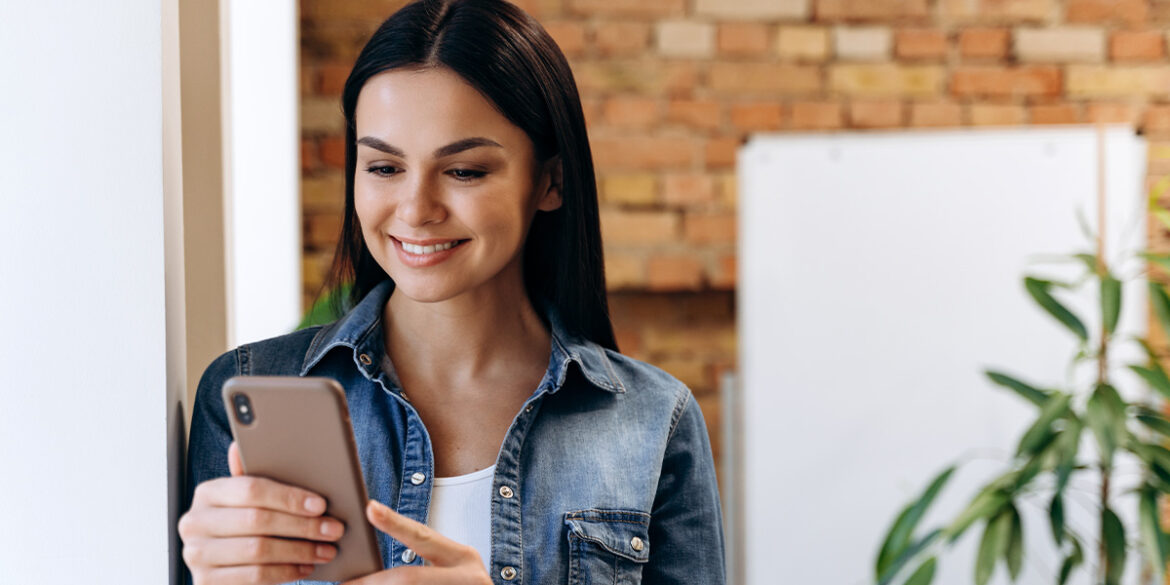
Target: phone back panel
301, 435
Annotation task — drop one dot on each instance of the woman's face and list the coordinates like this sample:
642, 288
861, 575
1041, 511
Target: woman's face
445, 186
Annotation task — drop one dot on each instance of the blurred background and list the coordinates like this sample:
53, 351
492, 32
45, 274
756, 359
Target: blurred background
208, 160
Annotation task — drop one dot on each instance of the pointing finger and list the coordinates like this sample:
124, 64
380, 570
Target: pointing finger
425, 541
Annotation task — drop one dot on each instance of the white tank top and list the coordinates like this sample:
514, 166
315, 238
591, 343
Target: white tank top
460, 509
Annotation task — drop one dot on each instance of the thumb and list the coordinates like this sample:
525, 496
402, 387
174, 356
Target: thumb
235, 464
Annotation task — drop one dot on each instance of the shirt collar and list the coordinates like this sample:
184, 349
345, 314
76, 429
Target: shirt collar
360, 329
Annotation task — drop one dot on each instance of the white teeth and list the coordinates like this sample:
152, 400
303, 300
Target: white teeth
420, 250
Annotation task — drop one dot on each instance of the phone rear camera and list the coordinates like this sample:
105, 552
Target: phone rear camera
243, 408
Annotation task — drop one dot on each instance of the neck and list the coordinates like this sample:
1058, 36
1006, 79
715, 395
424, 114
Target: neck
476, 336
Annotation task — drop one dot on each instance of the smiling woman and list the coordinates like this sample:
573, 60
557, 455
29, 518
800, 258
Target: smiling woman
529, 449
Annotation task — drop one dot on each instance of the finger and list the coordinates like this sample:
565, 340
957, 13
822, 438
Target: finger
247, 491
256, 574
425, 541
235, 464
256, 550
428, 575
223, 522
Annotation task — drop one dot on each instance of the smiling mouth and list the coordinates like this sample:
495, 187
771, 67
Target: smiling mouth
429, 249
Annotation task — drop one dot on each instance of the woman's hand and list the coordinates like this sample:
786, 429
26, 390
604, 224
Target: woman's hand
452, 563
250, 530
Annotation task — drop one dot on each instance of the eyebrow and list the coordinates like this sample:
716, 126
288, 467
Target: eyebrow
453, 148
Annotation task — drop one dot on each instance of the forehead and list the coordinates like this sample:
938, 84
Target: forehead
430, 106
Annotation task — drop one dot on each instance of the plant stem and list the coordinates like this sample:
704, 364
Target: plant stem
1102, 368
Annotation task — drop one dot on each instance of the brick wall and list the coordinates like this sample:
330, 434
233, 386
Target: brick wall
672, 87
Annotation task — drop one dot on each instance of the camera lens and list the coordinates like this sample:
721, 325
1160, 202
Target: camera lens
243, 408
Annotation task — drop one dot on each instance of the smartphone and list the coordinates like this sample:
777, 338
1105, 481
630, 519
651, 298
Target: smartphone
297, 431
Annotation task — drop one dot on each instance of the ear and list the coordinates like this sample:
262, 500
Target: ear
550, 182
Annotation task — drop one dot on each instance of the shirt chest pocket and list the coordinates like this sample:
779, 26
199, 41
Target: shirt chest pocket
607, 547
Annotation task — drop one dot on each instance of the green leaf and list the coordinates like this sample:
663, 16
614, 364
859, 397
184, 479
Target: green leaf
1105, 414
1153, 538
1162, 260
1056, 518
1029, 392
1155, 376
1039, 290
1067, 445
924, 575
1110, 302
326, 309
1014, 553
1154, 420
899, 537
910, 554
1161, 304
992, 546
1035, 436
1114, 535
1089, 260
1071, 562
986, 503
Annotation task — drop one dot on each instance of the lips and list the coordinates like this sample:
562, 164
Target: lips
424, 253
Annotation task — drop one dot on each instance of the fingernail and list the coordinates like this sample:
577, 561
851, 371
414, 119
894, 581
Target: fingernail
314, 504
325, 552
379, 508
332, 528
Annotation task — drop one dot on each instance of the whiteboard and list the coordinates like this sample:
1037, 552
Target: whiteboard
880, 274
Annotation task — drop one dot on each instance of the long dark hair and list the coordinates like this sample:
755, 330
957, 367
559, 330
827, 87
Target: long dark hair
510, 59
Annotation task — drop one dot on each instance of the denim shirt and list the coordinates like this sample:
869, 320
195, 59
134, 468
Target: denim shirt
608, 462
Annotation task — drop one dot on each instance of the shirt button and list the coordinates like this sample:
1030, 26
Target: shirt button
408, 556
418, 478
365, 359
636, 543
528, 408
505, 491
508, 573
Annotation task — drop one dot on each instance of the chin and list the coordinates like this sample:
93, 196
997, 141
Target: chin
424, 292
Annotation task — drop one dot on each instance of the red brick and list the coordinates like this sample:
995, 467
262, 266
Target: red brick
644, 152
641, 8
720, 153
331, 78
710, 228
631, 112
1157, 120
332, 149
321, 231
882, 10
1006, 81
757, 116
876, 114
1112, 113
1055, 114
569, 36
816, 116
640, 75
1137, 46
638, 227
541, 8
742, 39
1100, 12
764, 78
624, 270
724, 276
702, 114
984, 43
925, 44
1013, 11
309, 160
622, 38
591, 108
935, 114
674, 272
996, 115
688, 189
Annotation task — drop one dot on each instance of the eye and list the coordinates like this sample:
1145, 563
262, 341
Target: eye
467, 175
382, 171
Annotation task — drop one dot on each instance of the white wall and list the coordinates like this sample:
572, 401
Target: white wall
880, 274
85, 406
262, 202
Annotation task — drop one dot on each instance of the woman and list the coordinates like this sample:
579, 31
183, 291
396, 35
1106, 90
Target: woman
507, 438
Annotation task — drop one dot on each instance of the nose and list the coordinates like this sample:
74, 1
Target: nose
420, 203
